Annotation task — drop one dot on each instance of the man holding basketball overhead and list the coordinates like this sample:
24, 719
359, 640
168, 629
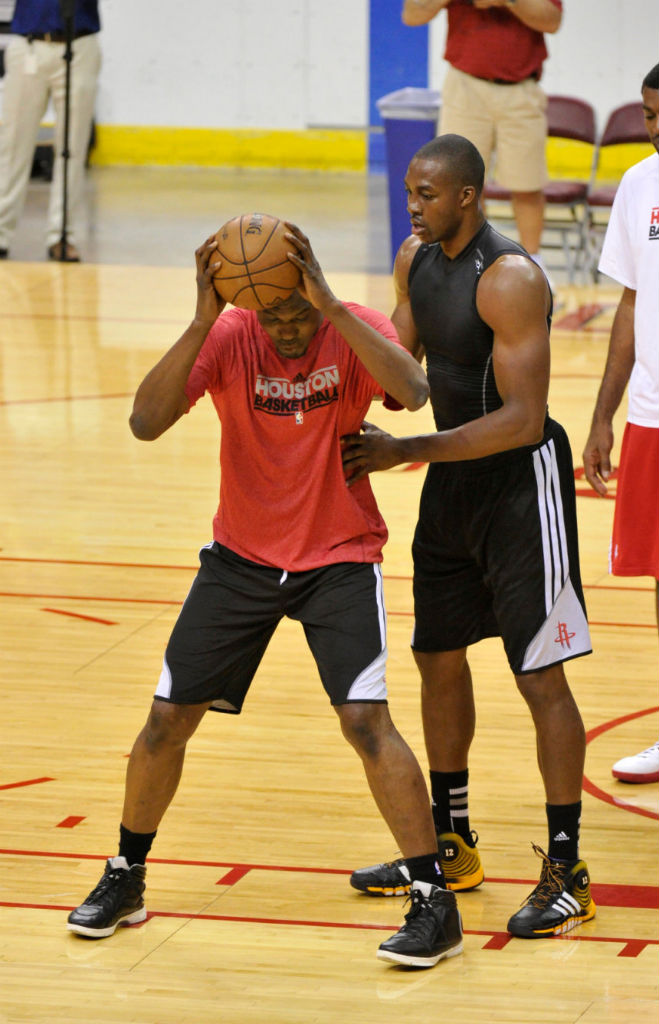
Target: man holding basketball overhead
287, 382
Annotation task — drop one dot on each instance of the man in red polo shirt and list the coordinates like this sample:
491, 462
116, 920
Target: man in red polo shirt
491, 94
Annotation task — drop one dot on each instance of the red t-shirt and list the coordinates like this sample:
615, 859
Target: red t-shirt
284, 501
493, 43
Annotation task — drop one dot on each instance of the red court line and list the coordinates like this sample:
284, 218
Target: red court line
89, 318
193, 568
71, 821
497, 940
161, 601
89, 562
65, 398
77, 615
89, 597
28, 782
601, 794
635, 897
578, 318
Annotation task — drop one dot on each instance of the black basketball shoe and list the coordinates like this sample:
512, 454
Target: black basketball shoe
560, 901
117, 899
432, 929
460, 864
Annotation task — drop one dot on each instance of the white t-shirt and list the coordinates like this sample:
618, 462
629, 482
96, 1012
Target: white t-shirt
630, 255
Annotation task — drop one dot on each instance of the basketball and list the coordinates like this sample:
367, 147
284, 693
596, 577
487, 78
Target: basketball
255, 272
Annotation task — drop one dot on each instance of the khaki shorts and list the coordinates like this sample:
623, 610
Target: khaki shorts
508, 121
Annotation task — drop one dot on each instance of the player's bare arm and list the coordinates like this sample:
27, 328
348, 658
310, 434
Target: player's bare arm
401, 317
420, 12
541, 15
513, 299
619, 364
160, 399
392, 367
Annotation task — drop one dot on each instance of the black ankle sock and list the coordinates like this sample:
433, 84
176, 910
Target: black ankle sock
563, 822
426, 869
450, 796
134, 846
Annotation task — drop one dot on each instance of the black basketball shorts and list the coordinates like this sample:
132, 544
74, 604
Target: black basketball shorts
496, 554
233, 609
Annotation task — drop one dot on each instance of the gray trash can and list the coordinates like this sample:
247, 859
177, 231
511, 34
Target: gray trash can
410, 120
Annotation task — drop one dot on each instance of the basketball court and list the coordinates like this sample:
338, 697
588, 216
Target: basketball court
250, 914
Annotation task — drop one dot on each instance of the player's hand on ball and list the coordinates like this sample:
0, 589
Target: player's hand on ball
314, 287
209, 302
367, 452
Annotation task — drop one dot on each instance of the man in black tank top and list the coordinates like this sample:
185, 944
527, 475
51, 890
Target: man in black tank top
495, 548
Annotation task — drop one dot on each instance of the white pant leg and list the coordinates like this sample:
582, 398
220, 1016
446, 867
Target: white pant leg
85, 67
25, 98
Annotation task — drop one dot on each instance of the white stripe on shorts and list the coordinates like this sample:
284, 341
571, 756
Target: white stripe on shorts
164, 687
379, 596
371, 683
550, 508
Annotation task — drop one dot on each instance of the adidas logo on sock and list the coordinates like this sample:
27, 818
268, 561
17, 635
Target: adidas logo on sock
561, 838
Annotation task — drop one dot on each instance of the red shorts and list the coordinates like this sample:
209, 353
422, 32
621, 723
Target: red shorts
635, 539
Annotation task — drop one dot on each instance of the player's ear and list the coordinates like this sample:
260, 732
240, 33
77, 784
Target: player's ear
469, 196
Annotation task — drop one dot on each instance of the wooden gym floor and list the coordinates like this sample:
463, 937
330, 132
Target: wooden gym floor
251, 918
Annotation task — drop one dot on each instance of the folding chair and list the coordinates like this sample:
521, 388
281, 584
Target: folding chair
571, 119
625, 124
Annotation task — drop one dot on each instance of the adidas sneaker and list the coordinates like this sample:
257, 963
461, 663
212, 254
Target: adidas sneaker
560, 901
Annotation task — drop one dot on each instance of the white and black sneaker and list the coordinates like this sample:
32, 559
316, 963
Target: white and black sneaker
117, 899
432, 929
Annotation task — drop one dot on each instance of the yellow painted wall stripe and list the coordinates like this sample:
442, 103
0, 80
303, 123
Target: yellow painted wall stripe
314, 149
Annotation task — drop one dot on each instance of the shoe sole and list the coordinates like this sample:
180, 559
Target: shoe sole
102, 933
560, 929
418, 961
376, 890
636, 777
465, 884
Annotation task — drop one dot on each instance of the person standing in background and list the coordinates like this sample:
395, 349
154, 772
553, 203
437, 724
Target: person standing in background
491, 94
630, 255
35, 71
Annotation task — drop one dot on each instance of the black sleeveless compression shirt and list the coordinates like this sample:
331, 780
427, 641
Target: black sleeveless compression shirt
457, 342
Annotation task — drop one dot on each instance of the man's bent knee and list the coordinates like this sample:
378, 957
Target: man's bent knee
171, 724
365, 726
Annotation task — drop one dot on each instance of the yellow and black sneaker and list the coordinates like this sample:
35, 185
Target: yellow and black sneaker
459, 862
560, 901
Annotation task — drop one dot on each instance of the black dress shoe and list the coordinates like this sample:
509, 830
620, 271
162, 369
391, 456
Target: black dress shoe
71, 256
4, 254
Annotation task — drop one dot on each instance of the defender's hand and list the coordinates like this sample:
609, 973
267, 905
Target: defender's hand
367, 452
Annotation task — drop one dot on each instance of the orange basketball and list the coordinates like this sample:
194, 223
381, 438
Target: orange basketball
255, 273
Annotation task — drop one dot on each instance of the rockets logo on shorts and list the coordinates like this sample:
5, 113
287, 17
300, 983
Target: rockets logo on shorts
654, 223
280, 396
